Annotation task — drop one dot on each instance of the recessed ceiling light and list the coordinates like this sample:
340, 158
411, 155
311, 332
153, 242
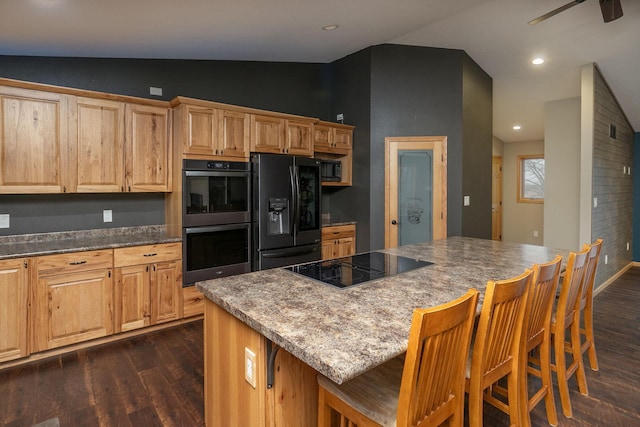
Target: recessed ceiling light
330, 27
538, 61
517, 127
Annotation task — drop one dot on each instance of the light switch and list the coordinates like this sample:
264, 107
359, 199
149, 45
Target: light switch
107, 215
250, 367
467, 200
595, 202
4, 220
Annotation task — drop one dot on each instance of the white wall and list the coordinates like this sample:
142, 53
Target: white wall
562, 173
520, 220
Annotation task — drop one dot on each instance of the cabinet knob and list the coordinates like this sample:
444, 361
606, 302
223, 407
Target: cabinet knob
25, 264
394, 222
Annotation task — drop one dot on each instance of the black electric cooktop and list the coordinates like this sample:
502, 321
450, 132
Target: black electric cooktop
355, 269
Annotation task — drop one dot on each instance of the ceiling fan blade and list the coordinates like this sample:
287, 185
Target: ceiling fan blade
555, 12
611, 10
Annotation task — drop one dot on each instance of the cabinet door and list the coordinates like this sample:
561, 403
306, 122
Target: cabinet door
97, 148
327, 249
14, 291
74, 307
344, 247
148, 148
132, 298
166, 292
33, 141
267, 134
342, 138
299, 138
234, 138
322, 137
201, 124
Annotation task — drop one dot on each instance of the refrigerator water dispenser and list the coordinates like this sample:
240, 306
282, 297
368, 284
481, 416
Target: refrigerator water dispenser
278, 218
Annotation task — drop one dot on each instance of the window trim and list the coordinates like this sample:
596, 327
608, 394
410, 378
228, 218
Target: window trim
521, 160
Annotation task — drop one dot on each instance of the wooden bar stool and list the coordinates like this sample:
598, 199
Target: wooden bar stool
537, 338
426, 389
497, 346
586, 304
567, 317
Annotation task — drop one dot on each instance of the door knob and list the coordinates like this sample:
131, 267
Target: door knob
394, 222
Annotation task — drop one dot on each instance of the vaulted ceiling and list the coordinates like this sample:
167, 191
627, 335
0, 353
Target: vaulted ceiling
494, 33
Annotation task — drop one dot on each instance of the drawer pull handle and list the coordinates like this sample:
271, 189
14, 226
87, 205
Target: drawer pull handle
148, 255
77, 262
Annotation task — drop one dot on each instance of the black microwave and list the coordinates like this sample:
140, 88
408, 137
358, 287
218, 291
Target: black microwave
331, 170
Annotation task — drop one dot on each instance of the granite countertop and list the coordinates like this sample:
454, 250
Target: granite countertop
74, 241
342, 333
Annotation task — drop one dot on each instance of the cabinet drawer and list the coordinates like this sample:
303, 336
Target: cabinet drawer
74, 262
338, 232
136, 255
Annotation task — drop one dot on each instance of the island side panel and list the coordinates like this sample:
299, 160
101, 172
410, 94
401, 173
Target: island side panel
229, 399
293, 400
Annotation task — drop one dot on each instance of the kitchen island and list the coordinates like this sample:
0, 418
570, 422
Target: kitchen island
339, 333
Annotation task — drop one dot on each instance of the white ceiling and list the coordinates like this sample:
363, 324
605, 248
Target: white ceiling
493, 32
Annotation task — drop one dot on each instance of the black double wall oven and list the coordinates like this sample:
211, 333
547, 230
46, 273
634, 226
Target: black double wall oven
216, 219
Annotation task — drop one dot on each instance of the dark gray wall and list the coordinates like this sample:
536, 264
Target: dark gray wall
415, 91
285, 87
351, 89
386, 90
47, 213
477, 124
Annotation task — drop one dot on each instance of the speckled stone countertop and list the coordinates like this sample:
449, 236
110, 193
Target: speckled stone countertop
342, 333
73, 241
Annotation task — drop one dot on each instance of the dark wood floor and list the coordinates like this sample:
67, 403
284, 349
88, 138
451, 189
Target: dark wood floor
157, 379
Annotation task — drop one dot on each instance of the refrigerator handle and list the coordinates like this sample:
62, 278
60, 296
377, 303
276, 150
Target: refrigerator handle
294, 199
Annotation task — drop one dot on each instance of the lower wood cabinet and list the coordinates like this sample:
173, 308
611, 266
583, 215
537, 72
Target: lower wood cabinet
193, 301
73, 299
14, 308
148, 287
338, 241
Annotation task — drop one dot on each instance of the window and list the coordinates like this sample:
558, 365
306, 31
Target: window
531, 178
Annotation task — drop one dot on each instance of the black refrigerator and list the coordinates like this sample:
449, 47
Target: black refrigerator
286, 214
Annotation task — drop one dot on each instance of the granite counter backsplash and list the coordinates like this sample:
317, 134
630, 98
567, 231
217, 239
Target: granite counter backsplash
73, 241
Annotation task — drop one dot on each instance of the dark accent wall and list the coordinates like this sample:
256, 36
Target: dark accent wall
477, 130
48, 213
385, 90
612, 220
351, 96
416, 91
294, 88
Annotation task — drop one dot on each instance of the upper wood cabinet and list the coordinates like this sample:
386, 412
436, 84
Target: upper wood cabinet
267, 134
61, 140
207, 131
279, 135
331, 137
97, 154
14, 308
33, 141
147, 148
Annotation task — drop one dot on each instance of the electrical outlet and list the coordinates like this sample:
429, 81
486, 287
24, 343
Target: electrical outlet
155, 91
340, 117
250, 367
535, 233
627, 245
107, 215
606, 259
466, 200
4, 220
595, 202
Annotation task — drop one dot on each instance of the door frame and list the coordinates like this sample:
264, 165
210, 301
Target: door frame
438, 144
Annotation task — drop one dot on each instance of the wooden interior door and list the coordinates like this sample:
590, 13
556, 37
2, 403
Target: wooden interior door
496, 198
426, 210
